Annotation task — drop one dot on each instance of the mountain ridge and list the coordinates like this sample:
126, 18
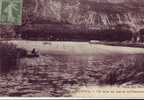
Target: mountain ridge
96, 13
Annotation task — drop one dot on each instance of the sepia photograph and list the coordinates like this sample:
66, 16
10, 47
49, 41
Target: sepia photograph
72, 48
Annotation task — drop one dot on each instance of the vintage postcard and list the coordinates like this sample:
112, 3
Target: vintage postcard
72, 48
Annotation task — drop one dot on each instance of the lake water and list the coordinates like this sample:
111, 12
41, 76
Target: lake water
55, 75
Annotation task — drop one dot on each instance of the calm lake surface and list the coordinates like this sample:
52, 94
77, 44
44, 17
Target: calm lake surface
55, 75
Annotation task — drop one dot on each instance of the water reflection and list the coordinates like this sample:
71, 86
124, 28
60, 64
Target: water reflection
54, 75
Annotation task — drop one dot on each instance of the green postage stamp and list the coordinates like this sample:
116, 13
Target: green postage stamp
11, 12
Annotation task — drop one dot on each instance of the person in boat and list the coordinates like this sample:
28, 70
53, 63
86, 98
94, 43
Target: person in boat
34, 52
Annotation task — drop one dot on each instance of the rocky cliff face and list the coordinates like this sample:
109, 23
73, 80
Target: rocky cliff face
95, 14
